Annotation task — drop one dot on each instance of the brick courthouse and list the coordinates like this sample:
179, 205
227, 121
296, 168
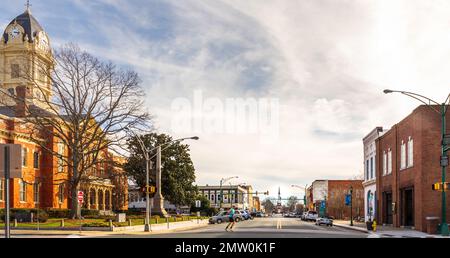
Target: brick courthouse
408, 158
45, 180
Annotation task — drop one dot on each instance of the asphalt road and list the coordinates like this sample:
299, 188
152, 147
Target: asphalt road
271, 227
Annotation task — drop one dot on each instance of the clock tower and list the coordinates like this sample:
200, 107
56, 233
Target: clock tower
26, 62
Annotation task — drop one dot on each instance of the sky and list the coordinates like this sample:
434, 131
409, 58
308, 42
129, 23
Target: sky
321, 65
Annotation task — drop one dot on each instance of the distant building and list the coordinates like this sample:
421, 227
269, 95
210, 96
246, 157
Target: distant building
236, 195
332, 194
370, 171
136, 200
256, 204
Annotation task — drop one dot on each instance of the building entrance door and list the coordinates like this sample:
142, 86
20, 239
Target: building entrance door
387, 208
408, 207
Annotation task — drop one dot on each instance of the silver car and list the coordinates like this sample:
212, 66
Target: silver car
222, 216
324, 221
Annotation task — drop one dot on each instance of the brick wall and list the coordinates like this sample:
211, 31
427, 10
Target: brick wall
424, 127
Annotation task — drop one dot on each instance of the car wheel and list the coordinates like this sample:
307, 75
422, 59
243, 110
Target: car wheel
219, 221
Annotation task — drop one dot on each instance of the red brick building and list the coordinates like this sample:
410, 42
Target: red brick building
408, 158
333, 193
337, 189
45, 182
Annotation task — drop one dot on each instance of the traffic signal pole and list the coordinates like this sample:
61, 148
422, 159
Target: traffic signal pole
444, 225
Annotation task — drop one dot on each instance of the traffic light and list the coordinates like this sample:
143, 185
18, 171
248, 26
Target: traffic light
151, 189
266, 193
256, 192
438, 186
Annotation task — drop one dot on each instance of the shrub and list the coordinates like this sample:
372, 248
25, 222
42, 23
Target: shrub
90, 213
58, 213
25, 215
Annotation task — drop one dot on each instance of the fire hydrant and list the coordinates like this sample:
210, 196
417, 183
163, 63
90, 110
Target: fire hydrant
374, 226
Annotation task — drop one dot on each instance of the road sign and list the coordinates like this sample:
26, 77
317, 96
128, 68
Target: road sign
322, 204
15, 160
348, 199
198, 204
444, 161
80, 197
446, 139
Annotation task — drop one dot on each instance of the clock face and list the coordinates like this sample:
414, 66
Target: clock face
14, 32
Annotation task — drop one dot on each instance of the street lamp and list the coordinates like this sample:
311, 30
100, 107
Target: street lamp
148, 163
304, 189
444, 145
222, 181
351, 205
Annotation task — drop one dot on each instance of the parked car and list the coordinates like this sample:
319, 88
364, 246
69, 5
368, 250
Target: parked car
249, 214
311, 216
222, 216
245, 215
259, 214
303, 216
324, 221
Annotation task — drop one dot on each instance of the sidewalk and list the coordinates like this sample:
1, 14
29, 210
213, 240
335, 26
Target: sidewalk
385, 231
135, 230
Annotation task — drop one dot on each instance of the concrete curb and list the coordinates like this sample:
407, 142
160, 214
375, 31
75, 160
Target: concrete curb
352, 228
156, 228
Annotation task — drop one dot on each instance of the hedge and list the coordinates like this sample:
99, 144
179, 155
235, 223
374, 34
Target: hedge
15, 213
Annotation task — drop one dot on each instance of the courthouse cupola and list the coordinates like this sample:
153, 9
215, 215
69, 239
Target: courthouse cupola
24, 26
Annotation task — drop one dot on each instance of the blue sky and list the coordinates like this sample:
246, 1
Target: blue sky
326, 62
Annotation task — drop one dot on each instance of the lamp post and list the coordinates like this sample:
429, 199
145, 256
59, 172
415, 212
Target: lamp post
351, 205
304, 196
222, 181
444, 145
148, 164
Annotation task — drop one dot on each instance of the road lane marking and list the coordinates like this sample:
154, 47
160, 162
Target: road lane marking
279, 224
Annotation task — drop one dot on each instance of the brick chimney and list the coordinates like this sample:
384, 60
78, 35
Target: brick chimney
22, 93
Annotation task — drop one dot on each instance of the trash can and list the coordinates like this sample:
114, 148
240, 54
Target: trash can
369, 225
432, 225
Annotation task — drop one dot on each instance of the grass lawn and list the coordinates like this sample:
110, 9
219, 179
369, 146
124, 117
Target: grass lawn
71, 223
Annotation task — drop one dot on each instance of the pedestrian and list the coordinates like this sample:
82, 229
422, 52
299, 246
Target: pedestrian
231, 219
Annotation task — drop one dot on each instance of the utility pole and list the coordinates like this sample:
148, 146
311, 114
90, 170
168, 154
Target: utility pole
444, 225
7, 203
351, 205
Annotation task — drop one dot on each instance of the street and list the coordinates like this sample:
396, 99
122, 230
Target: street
270, 227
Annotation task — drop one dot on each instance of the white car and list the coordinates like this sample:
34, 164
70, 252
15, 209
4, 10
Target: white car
311, 216
324, 221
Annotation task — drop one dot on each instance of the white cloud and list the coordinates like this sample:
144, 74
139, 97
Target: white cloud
326, 61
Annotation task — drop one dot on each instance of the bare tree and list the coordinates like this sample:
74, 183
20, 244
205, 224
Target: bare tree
292, 202
88, 104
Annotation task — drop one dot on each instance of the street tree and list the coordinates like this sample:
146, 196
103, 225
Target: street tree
177, 168
292, 202
268, 205
81, 109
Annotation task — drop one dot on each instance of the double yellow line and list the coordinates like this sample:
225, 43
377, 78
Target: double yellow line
279, 224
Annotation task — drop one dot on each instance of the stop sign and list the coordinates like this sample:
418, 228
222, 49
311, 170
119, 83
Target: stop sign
80, 197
